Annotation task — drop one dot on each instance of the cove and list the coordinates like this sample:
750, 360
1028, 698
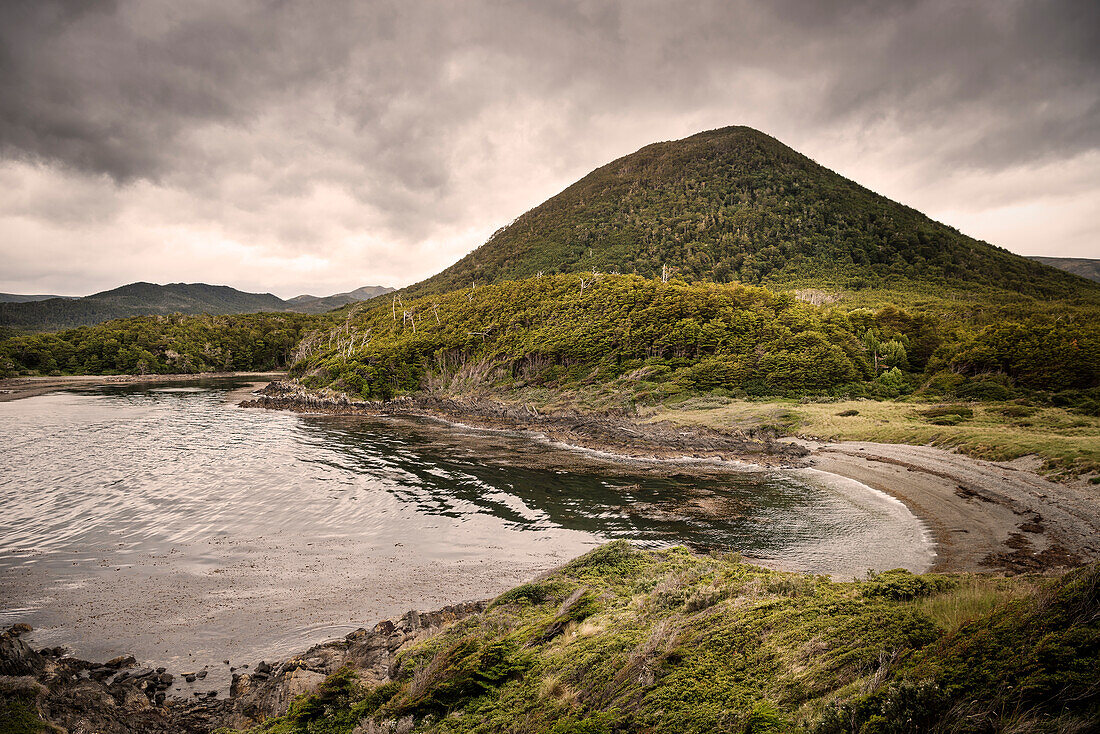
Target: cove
166, 522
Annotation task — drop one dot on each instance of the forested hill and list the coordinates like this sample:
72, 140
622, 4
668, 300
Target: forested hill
149, 299
136, 299
737, 205
1083, 266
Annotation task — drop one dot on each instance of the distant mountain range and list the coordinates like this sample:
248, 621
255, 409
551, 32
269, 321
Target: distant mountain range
19, 298
1083, 266
315, 304
50, 313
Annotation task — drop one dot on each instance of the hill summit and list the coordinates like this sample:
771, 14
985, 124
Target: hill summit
737, 205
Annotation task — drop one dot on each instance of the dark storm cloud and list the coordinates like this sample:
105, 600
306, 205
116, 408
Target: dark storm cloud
114, 88
291, 123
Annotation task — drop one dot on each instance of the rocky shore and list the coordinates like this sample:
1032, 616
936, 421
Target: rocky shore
611, 433
49, 688
983, 516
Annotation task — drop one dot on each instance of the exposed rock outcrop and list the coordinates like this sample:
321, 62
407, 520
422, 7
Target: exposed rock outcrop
117, 697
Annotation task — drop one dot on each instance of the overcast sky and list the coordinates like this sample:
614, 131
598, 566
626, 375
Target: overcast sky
318, 146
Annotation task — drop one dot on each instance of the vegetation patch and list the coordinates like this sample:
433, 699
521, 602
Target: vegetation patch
672, 641
174, 344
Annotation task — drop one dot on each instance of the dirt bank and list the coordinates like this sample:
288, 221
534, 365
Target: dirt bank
984, 516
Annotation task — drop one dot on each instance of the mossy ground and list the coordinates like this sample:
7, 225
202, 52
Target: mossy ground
18, 715
623, 640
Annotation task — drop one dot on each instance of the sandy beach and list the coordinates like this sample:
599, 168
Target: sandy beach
983, 515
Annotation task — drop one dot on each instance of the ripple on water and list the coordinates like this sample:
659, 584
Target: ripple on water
161, 520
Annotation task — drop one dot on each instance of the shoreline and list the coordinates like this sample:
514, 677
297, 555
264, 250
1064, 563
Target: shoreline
981, 516
18, 388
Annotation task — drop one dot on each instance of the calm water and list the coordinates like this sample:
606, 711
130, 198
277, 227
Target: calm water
167, 522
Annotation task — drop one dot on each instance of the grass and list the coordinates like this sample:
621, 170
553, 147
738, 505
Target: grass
1068, 443
19, 716
623, 640
973, 597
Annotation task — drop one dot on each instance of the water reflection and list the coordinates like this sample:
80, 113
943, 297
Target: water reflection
160, 520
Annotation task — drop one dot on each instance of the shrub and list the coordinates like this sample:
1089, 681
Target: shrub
901, 585
983, 389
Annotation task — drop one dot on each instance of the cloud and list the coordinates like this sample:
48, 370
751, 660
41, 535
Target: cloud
400, 133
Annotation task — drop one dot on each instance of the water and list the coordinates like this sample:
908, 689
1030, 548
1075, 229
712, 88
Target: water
167, 522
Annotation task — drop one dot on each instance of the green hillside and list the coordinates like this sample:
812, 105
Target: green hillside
1083, 266
648, 340
737, 205
623, 641
164, 344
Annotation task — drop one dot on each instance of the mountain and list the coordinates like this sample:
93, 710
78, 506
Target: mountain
1083, 266
144, 299
737, 205
315, 304
19, 298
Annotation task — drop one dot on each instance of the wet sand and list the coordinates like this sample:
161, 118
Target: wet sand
983, 515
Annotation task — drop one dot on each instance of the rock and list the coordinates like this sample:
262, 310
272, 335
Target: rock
102, 673
19, 628
17, 658
201, 674
165, 679
189, 677
160, 698
122, 661
262, 668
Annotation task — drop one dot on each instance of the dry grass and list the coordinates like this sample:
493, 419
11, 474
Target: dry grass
1067, 443
554, 687
972, 598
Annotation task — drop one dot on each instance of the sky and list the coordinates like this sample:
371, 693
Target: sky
314, 147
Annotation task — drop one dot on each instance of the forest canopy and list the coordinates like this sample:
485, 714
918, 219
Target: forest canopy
173, 344
649, 335
643, 337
